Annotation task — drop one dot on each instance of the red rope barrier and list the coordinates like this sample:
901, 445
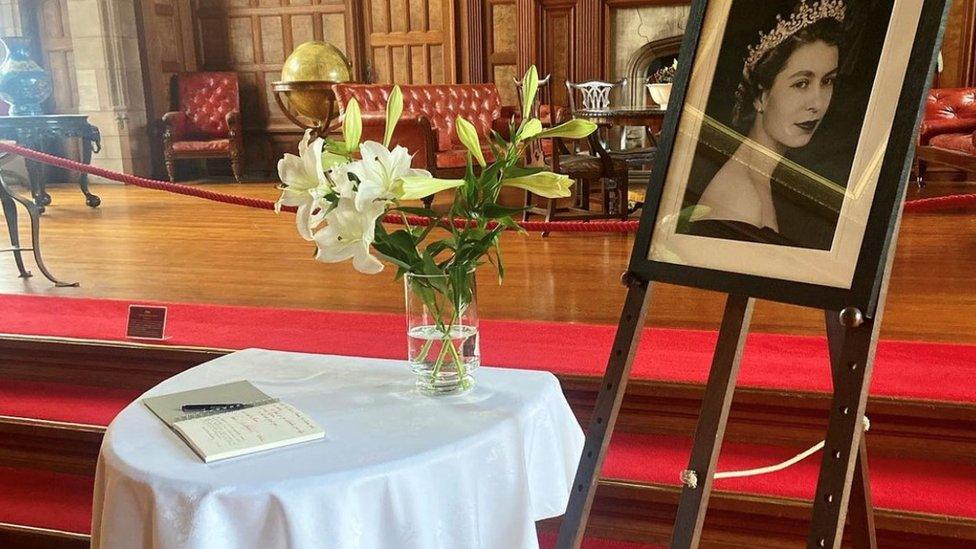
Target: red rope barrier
629, 226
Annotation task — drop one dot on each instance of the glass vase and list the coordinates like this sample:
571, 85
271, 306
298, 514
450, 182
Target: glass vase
442, 331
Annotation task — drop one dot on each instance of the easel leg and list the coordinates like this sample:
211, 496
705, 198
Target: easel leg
711, 423
605, 413
860, 510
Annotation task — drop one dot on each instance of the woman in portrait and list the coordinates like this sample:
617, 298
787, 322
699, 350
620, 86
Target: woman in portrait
786, 87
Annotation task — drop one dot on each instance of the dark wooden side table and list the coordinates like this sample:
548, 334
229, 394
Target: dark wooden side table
37, 132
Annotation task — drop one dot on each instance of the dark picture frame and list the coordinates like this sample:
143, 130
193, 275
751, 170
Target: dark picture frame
882, 217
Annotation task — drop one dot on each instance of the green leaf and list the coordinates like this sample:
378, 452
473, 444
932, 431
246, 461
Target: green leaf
497, 211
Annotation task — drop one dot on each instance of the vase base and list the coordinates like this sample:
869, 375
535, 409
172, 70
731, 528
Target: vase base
26, 110
444, 386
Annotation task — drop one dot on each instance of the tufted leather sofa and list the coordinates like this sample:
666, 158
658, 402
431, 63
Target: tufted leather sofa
948, 132
206, 120
427, 125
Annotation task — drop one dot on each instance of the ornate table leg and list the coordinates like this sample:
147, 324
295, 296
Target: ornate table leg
37, 173
89, 143
10, 214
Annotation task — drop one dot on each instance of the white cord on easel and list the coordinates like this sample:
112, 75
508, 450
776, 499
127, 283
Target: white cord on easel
773, 468
690, 478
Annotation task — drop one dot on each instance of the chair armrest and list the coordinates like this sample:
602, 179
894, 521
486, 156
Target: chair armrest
937, 126
174, 125
413, 131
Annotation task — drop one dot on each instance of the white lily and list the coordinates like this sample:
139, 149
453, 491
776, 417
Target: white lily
300, 176
348, 234
380, 173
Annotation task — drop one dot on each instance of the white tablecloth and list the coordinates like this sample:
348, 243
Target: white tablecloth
396, 469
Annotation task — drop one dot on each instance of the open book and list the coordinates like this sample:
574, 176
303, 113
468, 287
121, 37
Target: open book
263, 423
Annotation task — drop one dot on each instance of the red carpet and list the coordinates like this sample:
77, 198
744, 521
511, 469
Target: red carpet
63, 402
903, 369
57, 500
939, 488
772, 361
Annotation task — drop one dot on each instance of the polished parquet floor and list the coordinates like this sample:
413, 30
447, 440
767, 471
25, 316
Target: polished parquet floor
150, 245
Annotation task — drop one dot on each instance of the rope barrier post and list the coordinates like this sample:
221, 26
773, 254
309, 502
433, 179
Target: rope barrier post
698, 477
604, 417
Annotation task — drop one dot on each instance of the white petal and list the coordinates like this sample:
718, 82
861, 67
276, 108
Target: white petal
371, 150
336, 253
367, 193
303, 219
365, 263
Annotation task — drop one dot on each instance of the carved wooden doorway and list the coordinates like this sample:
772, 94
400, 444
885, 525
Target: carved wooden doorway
410, 41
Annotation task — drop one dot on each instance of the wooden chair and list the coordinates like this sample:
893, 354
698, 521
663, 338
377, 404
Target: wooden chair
599, 166
584, 169
205, 121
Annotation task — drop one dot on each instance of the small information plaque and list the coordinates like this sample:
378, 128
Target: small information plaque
146, 322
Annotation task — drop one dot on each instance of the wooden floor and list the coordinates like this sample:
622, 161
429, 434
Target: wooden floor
150, 245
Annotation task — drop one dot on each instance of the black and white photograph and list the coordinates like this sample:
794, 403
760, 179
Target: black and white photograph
786, 119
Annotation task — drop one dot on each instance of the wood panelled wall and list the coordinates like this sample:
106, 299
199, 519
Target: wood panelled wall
570, 39
402, 41
57, 53
253, 38
959, 47
411, 41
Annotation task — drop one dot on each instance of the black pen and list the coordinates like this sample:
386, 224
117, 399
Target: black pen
212, 407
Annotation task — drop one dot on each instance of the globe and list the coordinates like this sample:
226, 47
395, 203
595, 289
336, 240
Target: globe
315, 62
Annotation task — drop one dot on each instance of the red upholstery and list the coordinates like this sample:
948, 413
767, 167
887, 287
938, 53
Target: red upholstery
217, 145
206, 98
960, 142
207, 120
948, 111
458, 158
480, 104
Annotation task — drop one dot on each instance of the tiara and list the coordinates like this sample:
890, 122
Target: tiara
804, 16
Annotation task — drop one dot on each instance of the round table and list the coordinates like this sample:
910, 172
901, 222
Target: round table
396, 469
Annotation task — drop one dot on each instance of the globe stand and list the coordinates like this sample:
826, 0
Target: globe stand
309, 104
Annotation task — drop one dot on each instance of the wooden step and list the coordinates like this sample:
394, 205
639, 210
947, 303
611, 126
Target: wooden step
43, 508
900, 427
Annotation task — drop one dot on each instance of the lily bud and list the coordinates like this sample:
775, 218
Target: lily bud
468, 136
530, 85
352, 125
394, 108
574, 129
544, 184
416, 187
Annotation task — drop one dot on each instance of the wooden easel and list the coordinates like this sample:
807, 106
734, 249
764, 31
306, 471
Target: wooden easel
843, 481
853, 321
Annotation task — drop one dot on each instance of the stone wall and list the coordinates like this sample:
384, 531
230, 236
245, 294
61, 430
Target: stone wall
110, 85
10, 19
633, 27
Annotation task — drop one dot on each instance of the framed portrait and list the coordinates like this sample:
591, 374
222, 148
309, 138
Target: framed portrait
782, 168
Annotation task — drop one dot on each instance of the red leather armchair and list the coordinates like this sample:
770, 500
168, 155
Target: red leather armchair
427, 125
206, 122
947, 134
